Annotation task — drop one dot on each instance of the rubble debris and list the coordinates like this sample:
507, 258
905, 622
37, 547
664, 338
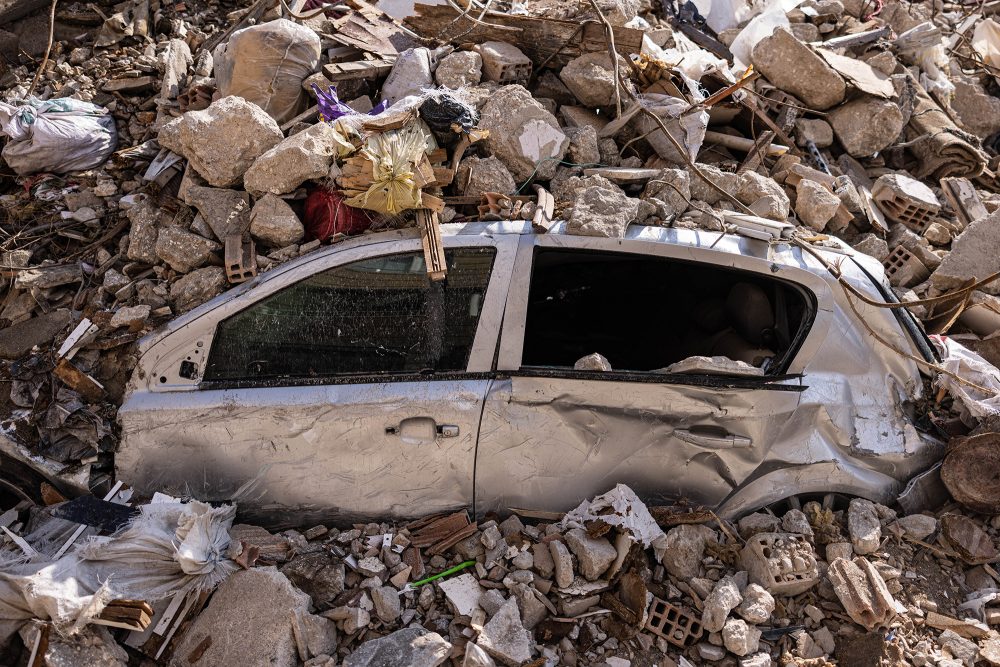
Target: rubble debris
274, 223
504, 638
862, 591
794, 67
864, 526
523, 134
304, 156
409, 647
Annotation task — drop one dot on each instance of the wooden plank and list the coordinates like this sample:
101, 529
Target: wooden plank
359, 69
755, 157
430, 239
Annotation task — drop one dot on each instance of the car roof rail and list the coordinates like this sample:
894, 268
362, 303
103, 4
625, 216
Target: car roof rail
759, 228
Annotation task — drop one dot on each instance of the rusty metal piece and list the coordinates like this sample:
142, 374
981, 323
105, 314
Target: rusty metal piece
241, 259
673, 623
971, 471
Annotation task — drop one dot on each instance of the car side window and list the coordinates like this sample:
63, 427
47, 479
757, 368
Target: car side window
644, 313
378, 316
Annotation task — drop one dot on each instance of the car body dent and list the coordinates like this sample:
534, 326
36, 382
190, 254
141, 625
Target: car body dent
844, 429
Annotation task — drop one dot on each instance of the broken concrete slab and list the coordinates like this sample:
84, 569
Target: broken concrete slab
92, 646
409, 647
316, 574
197, 287
301, 157
184, 251
974, 254
814, 204
477, 176
798, 70
562, 563
599, 211
274, 223
459, 70
18, 339
222, 141
523, 135
867, 125
505, 638
227, 212
864, 526
248, 621
594, 555
591, 78
463, 594
740, 638
763, 195
684, 549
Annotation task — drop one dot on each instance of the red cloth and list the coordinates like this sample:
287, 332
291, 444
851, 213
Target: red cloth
326, 214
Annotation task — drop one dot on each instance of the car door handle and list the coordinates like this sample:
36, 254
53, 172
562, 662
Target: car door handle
417, 430
712, 441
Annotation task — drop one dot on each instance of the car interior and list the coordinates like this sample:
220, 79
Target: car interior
644, 313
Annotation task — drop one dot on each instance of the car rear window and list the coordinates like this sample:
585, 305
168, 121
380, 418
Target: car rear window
644, 313
371, 317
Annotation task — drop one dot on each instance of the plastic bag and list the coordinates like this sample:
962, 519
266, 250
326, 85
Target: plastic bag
326, 214
447, 114
331, 108
394, 155
60, 135
266, 64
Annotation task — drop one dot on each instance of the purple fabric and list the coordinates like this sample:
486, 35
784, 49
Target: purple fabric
331, 108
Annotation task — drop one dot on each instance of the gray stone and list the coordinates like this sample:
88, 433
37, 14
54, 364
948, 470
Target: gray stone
562, 563
523, 560
248, 622
18, 339
92, 646
753, 188
866, 125
299, 158
795, 521
591, 78
125, 316
601, 211
459, 70
816, 130
760, 522
593, 555
975, 253
146, 219
863, 526
274, 223
701, 190
184, 251
505, 638
872, 245
757, 604
357, 618
463, 593
225, 211
477, 176
795, 68
978, 111
491, 601
917, 526
711, 652
222, 141
386, 601
814, 204
959, 647
542, 560
583, 145
371, 567
670, 191
684, 548
937, 234
475, 656
197, 287
757, 660
592, 362
740, 638
316, 635
523, 135
724, 598
409, 647
318, 575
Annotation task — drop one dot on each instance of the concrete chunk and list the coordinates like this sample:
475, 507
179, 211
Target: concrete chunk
814, 204
476, 176
798, 70
684, 549
409, 647
274, 223
299, 158
563, 563
594, 555
974, 254
601, 211
248, 622
723, 599
459, 70
184, 251
505, 638
591, 78
523, 135
864, 526
867, 125
222, 141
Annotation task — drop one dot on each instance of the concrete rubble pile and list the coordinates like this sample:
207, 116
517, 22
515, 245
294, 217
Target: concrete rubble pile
156, 154
612, 582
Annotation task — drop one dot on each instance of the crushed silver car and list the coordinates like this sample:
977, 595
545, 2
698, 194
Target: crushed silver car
346, 385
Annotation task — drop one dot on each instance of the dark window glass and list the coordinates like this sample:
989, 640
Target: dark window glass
375, 316
644, 313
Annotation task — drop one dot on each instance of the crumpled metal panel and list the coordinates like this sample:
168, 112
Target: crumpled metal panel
291, 455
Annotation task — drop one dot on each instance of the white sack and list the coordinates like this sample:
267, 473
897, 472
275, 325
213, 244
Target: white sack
60, 135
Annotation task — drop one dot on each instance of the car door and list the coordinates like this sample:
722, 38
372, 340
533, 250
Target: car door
553, 434
348, 388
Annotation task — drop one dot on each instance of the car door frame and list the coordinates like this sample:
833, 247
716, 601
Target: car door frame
753, 256
197, 332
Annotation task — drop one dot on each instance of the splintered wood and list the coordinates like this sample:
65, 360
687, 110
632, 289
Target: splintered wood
430, 239
128, 614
